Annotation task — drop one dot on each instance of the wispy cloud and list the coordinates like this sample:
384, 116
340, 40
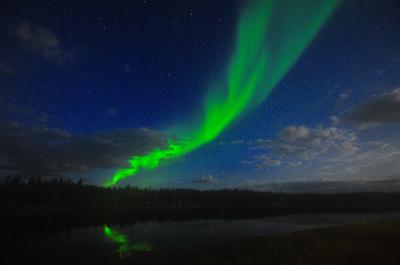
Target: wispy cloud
305, 143
44, 42
327, 153
111, 112
206, 180
342, 99
387, 185
6, 107
233, 142
44, 151
384, 108
261, 162
5, 69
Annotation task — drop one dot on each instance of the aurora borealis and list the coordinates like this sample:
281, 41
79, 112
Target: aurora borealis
271, 35
122, 240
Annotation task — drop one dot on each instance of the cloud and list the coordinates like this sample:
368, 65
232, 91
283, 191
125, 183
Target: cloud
343, 96
44, 42
335, 119
387, 185
263, 161
233, 142
206, 180
44, 151
342, 99
42, 117
384, 108
7, 108
111, 112
374, 160
6, 69
237, 142
304, 143
329, 153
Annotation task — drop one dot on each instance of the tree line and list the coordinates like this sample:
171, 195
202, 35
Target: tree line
62, 192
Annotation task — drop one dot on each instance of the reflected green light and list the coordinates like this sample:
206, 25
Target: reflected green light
271, 35
122, 240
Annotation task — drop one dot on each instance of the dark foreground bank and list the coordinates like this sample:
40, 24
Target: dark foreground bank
352, 244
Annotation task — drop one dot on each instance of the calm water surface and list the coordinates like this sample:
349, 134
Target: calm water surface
167, 236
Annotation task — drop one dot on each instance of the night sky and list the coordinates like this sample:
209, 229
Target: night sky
85, 85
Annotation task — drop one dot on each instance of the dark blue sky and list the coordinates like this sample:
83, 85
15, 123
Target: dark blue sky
88, 70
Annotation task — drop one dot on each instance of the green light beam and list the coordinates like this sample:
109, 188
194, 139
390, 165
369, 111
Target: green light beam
271, 36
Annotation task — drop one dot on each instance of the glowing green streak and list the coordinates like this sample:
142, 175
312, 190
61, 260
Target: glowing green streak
271, 36
122, 240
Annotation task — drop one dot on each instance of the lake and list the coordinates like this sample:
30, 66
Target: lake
174, 236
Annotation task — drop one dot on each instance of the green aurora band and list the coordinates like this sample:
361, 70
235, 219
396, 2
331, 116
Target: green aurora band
271, 36
122, 240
